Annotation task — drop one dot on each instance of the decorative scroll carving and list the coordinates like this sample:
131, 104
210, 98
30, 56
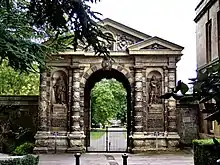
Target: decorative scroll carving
123, 42
154, 90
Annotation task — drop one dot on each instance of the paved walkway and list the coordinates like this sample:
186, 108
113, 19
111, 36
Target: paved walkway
116, 159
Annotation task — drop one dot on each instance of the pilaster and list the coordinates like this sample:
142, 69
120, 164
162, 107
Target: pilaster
171, 105
42, 133
138, 108
77, 135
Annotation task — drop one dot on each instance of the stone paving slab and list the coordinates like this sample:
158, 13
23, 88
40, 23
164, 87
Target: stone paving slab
116, 159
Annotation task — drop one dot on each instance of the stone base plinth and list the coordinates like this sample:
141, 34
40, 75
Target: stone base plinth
48, 142
143, 142
76, 142
61, 142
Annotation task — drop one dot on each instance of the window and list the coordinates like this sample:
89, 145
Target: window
208, 41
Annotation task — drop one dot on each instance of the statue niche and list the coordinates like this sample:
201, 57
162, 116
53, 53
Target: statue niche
59, 100
60, 88
154, 88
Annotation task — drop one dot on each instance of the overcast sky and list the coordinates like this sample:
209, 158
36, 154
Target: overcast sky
171, 20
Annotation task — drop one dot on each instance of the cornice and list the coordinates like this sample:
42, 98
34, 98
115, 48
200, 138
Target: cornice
204, 9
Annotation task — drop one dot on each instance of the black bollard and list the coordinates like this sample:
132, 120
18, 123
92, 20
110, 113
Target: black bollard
77, 155
125, 159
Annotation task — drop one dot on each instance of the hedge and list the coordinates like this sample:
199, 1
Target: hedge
24, 149
26, 160
205, 152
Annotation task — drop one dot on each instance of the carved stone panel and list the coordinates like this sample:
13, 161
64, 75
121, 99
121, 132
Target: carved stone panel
59, 118
123, 42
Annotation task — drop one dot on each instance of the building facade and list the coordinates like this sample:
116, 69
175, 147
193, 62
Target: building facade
208, 49
145, 65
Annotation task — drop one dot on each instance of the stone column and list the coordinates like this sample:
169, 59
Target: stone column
172, 103
42, 133
43, 102
70, 100
166, 85
138, 108
76, 136
172, 137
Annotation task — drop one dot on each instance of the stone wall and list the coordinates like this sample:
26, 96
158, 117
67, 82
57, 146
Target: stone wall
188, 122
18, 111
25, 106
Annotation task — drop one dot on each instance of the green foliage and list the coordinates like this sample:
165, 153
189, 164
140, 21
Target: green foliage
205, 152
70, 16
24, 149
15, 83
15, 129
97, 133
31, 30
17, 37
206, 88
26, 160
108, 102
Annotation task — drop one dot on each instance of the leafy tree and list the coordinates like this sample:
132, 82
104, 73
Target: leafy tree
108, 102
206, 90
119, 94
15, 83
31, 30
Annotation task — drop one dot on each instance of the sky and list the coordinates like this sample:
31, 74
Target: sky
171, 20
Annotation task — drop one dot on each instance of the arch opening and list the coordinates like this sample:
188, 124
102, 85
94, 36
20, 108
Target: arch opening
123, 131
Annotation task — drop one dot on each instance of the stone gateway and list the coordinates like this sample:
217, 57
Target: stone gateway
145, 65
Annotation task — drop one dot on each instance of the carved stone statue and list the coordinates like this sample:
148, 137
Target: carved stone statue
60, 91
154, 90
106, 63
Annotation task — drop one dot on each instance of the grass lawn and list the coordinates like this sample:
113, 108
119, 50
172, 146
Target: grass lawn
97, 135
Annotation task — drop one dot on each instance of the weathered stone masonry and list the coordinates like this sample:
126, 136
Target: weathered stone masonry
145, 64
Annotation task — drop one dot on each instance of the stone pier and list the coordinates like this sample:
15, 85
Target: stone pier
145, 65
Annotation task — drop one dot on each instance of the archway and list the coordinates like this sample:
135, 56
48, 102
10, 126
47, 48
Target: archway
90, 83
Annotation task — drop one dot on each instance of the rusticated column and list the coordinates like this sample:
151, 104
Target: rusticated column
138, 108
70, 100
166, 85
76, 102
172, 125
43, 104
43, 133
76, 136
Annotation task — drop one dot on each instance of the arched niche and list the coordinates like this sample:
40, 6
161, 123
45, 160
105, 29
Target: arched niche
59, 87
154, 87
110, 44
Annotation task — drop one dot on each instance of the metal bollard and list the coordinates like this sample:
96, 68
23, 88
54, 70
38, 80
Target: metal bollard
218, 161
55, 143
77, 155
125, 159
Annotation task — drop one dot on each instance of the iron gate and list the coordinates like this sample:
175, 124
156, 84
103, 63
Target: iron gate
107, 140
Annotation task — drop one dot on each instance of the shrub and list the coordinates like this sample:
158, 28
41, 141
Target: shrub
27, 160
205, 152
24, 149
